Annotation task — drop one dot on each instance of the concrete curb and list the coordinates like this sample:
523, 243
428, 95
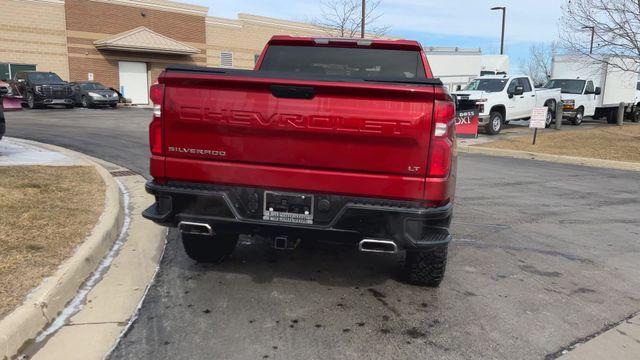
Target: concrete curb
45, 303
609, 164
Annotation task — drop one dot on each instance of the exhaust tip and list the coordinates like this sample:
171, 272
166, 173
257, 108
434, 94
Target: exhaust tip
195, 228
378, 246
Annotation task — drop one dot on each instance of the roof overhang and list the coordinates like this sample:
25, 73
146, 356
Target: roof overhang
142, 39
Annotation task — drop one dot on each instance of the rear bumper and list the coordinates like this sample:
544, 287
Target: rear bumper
239, 209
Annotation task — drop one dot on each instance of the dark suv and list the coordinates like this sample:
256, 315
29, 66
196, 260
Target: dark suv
39, 88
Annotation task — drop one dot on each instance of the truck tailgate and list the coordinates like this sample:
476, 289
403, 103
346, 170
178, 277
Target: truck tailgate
372, 129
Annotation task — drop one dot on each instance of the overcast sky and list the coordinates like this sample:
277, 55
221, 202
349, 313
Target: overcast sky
463, 23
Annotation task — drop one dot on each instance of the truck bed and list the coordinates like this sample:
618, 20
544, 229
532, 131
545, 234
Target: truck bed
544, 95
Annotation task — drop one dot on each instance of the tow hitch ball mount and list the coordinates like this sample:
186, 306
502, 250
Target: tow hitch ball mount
283, 242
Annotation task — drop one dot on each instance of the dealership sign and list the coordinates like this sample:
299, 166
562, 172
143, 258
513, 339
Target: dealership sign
538, 117
467, 123
538, 120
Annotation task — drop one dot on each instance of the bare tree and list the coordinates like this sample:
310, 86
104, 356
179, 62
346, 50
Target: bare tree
615, 25
538, 64
343, 18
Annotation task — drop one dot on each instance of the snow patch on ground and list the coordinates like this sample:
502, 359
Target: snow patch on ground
14, 152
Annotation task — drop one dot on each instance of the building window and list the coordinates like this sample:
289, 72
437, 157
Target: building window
8, 71
226, 59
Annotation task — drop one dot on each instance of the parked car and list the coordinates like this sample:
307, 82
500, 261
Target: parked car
39, 88
579, 98
502, 98
90, 94
616, 86
347, 140
4, 89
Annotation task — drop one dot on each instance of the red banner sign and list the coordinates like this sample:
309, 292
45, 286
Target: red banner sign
467, 123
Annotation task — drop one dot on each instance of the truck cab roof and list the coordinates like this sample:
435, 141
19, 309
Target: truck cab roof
345, 42
501, 76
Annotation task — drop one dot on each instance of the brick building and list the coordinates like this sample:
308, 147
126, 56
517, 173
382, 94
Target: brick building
125, 44
33, 34
239, 42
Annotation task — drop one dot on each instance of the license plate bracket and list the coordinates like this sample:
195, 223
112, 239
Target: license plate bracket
288, 207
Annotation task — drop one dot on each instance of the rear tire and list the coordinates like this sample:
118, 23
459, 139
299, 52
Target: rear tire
209, 249
577, 120
426, 267
495, 123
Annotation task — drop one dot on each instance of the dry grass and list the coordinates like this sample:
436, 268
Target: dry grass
46, 211
608, 142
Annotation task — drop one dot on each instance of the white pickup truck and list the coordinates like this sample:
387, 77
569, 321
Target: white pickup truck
502, 98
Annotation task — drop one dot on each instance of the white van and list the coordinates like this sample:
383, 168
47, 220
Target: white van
579, 98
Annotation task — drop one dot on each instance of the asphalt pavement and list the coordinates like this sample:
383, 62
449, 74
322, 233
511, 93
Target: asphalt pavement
544, 254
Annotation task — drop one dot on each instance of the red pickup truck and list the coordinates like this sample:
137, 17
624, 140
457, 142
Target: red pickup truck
344, 140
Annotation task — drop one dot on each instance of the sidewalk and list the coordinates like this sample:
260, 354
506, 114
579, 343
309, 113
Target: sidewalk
621, 342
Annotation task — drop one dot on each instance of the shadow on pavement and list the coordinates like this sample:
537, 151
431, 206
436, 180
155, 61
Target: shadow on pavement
325, 263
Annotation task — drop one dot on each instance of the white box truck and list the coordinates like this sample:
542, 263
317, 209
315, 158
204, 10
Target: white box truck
593, 88
456, 67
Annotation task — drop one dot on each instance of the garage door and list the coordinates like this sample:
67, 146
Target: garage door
134, 82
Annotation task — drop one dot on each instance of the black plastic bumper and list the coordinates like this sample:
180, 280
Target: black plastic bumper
239, 209
103, 102
52, 100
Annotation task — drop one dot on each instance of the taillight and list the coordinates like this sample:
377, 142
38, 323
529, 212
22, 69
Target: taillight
156, 136
443, 139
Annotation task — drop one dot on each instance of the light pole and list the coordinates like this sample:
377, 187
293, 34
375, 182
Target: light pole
593, 34
504, 15
364, 15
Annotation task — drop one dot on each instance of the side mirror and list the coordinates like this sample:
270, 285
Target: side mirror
598, 91
519, 90
458, 87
